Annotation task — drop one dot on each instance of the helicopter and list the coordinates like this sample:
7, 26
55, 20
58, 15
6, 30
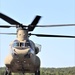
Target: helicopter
23, 57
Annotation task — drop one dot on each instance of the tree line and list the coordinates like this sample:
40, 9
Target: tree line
48, 71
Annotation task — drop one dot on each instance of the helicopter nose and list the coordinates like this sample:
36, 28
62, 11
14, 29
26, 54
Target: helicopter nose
21, 52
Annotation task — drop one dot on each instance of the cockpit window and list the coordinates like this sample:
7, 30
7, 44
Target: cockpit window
27, 44
15, 44
21, 44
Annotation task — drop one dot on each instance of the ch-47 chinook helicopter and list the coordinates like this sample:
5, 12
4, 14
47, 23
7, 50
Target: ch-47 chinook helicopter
23, 57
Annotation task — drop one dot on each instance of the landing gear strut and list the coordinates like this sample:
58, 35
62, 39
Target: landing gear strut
7, 72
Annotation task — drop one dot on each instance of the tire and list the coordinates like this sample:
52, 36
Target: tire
7, 72
37, 72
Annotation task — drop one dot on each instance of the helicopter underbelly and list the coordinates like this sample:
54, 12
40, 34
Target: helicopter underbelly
22, 64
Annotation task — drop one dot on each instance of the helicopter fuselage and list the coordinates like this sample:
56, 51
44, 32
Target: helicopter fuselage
23, 58
23, 55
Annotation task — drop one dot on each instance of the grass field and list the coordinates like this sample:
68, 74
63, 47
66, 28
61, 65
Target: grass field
48, 71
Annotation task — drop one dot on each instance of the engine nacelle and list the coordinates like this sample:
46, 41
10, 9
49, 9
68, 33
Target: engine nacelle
36, 50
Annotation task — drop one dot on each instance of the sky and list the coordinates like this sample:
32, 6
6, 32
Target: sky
55, 52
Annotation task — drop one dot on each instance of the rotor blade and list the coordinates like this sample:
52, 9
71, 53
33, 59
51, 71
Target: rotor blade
9, 33
61, 25
8, 19
34, 23
45, 35
6, 26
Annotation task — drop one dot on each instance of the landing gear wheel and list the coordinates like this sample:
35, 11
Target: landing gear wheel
37, 72
7, 72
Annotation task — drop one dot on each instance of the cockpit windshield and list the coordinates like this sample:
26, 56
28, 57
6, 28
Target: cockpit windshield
21, 44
